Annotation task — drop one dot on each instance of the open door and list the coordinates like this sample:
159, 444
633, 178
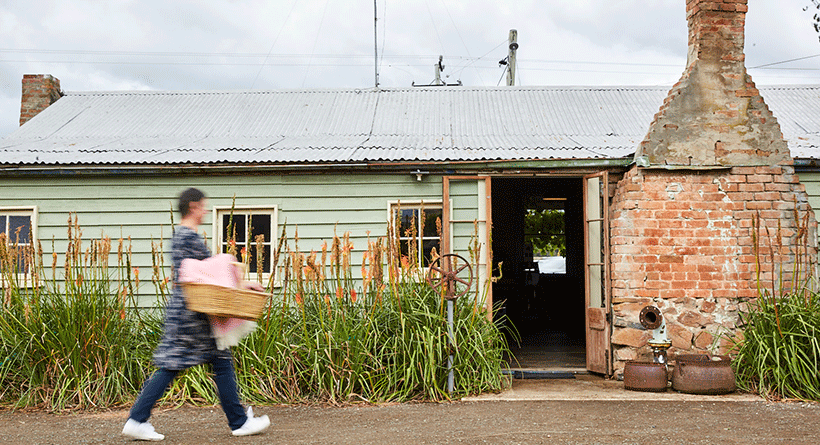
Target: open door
596, 281
466, 223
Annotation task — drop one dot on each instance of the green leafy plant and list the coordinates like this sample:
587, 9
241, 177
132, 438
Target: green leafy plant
778, 355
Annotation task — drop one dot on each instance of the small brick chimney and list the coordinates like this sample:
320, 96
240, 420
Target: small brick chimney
693, 224
39, 91
714, 115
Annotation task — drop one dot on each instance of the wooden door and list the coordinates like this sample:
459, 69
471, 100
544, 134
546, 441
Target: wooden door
596, 276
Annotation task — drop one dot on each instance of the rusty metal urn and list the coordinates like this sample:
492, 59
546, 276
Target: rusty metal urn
703, 374
645, 376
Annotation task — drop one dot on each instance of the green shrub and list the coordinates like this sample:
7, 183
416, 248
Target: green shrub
779, 356
72, 342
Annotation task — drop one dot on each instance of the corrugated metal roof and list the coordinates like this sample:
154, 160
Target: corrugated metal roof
370, 125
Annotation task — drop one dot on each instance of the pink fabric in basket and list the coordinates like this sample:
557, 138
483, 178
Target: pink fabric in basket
218, 270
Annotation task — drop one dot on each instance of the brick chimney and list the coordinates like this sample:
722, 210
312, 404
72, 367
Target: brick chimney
693, 223
714, 116
39, 91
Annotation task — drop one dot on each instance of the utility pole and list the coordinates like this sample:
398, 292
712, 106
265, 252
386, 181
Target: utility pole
511, 58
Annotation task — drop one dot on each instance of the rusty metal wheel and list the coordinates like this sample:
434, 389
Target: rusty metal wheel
453, 274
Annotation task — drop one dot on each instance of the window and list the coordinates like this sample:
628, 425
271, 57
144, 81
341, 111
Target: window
545, 234
17, 224
418, 228
253, 230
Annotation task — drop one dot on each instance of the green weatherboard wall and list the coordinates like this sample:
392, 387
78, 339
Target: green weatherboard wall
139, 207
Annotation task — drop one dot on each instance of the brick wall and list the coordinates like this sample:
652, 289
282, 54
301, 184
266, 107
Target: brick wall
39, 91
714, 115
683, 241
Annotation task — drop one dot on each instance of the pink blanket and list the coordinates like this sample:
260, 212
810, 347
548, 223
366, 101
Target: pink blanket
219, 270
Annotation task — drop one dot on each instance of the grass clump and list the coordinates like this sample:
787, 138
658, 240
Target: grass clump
77, 342
70, 343
778, 354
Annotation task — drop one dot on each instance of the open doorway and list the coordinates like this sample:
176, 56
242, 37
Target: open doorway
538, 239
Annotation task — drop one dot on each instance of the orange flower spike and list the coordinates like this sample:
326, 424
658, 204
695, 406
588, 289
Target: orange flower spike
365, 272
353, 295
339, 293
298, 298
405, 262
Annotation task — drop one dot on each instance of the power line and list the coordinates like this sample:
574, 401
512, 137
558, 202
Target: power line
273, 44
784, 61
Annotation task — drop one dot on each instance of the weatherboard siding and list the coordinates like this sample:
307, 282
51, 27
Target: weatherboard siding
140, 208
811, 180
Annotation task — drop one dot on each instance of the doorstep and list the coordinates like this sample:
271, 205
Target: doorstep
584, 386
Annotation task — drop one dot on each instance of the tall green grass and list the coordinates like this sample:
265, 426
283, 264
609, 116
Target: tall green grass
69, 344
74, 341
778, 355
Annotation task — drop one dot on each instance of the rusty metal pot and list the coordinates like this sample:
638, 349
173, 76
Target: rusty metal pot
703, 374
645, 376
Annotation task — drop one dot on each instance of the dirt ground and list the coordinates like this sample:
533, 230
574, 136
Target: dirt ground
534, 412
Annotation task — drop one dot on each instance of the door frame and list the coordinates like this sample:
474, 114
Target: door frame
598, 302
447, 232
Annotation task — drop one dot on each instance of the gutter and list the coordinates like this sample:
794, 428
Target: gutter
449, 167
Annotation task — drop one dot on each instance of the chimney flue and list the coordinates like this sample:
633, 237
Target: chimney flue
39, 91
714, 116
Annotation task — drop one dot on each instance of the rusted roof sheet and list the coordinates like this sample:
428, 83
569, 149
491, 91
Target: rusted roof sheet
368, 125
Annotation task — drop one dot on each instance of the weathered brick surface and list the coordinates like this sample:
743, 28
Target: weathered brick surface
39, 91
700, 273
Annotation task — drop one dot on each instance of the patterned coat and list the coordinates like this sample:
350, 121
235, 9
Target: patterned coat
187, 338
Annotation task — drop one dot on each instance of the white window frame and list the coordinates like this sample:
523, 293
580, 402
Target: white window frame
32, 212
414, 204
219, 235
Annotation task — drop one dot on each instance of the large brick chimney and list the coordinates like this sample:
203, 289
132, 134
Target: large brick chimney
39, 91
714, 115
682, 231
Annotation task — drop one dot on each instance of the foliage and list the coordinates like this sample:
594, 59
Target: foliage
780, 352
71, 343
545, 230
778, 355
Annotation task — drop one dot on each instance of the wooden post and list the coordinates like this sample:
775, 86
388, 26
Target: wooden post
511, 58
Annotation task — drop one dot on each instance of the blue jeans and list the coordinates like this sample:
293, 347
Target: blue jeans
225, 380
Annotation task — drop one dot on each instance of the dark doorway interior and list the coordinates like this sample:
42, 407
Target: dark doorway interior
542, 302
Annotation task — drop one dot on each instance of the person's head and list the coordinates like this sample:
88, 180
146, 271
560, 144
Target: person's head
188, 197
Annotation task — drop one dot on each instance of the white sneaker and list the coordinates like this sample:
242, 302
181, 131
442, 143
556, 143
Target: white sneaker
253, 425
141, 431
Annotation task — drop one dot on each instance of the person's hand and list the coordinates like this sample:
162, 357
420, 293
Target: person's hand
252, 285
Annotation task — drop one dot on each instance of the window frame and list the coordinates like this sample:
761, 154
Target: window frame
415, 204
33, 213
262, 209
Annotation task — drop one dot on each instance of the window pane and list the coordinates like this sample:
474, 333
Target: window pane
239, 227
406, 221
428, 248
261, 226
430, 217
23, 223
265, 259
3, 219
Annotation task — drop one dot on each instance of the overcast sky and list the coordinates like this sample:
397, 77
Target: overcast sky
103, 45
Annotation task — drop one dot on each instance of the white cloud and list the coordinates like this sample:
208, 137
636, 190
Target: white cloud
221, 44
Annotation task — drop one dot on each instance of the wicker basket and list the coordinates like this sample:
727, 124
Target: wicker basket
224, 301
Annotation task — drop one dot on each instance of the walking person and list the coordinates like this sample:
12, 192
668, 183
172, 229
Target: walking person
187, 340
